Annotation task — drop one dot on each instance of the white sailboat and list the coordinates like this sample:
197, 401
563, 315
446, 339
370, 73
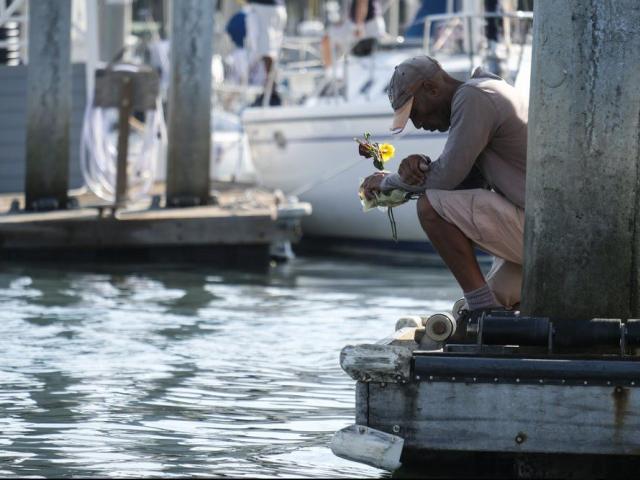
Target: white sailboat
307, 150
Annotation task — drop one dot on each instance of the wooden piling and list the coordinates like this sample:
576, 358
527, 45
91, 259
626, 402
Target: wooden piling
581, 233
190, 103
124, 112
48, 105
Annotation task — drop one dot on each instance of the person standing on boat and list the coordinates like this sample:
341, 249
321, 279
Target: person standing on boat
487, 123
266, 20
238, 59
365, 22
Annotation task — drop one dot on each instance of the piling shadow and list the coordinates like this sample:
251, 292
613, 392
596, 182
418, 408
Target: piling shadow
243, 257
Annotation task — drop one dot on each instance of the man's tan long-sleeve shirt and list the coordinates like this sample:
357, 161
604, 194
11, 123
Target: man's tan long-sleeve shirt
488, 128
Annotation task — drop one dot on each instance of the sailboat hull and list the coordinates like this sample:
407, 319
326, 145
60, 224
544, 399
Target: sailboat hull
315, 158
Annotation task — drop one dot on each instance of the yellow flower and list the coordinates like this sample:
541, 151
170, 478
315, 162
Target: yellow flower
387, 151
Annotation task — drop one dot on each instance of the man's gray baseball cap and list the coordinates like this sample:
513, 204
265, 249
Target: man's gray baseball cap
407, 78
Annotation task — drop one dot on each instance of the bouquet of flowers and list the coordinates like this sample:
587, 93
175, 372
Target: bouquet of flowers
382, 200
381, 154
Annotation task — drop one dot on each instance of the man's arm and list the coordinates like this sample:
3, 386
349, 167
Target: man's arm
473, 123
412, 174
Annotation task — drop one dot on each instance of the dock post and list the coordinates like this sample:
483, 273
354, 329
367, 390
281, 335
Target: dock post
124, 112
190, 103
48, 105
582, 229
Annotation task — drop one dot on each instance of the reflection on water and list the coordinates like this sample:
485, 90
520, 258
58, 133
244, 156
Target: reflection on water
180, 371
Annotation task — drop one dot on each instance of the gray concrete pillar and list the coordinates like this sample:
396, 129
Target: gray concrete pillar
48, 104
582, 228
190, 102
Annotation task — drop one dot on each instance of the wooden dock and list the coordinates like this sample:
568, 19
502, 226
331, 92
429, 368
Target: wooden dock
477, 406
188, 218
237, 229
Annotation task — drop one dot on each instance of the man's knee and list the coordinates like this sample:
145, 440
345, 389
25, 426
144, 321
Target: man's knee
426, 213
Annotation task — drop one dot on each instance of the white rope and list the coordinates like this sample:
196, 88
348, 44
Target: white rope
99, 152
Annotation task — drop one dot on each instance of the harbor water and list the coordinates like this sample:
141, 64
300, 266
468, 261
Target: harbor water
147, 371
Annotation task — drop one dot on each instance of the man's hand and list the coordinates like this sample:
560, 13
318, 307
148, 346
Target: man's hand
371, 184
413, 169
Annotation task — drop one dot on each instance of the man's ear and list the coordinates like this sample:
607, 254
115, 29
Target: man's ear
431, 88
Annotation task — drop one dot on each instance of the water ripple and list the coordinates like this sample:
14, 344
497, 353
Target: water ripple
184, 372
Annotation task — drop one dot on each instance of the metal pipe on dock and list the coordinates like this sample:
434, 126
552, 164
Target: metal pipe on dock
48, 105
581, 230
190, 103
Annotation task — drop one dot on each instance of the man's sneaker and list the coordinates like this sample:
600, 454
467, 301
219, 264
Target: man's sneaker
458, 308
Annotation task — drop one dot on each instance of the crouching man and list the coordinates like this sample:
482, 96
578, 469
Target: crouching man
487, 123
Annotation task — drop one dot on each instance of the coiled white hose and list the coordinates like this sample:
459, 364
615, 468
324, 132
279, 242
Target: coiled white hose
99, 151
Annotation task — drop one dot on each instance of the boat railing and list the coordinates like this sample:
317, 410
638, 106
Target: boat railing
452, 22
455, 33
301, 57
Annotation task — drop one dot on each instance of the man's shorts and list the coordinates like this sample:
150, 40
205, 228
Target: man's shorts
265, 29
494, 225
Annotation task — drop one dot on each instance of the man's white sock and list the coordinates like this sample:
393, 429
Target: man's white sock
483, 297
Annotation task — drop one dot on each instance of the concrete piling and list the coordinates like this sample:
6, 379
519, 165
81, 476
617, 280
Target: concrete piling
49, 105
582, 233
190, 103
